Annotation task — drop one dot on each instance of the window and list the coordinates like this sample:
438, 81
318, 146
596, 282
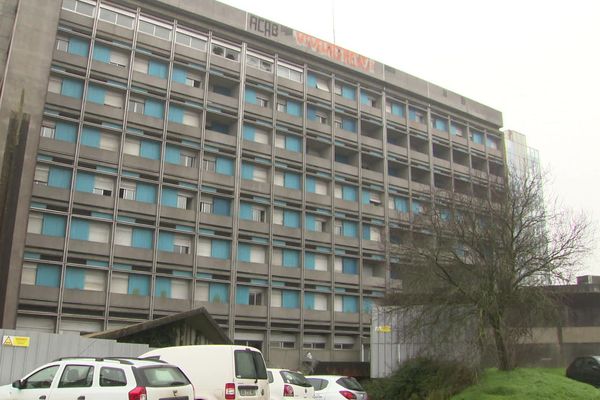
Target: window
337, 89
337, 122
187, 159
116, 16
258, 62
223, 50
416, 115
320, 224
80, 7
48, 130
322, 84
206, 206
54, 85
119, 59
76, 376
209, 164
112, 377
154, 28
289, 72
127, 191
258, 214
181, 245
190, 39
338, 227
192, 80
255, 297
41, 175
41, 379
282, 105
136, 106
321, 117
62, 44
183, 202
262, 101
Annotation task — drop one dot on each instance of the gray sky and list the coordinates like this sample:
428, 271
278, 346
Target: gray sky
537, 62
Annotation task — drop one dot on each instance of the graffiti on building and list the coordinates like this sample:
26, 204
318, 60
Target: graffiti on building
334, 52
262, 26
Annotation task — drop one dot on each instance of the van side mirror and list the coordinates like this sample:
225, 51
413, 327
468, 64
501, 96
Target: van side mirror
18, 384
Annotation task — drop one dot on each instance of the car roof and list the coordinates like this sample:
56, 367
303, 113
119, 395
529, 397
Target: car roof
114, 360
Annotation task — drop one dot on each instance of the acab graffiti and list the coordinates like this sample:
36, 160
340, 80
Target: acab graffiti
334, 52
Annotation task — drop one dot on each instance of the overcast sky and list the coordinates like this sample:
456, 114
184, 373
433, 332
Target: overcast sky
537, 62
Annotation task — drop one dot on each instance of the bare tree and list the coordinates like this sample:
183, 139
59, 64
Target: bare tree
489, 259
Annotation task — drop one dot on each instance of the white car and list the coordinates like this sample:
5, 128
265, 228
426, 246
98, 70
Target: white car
81, 378
335, 387
285, 384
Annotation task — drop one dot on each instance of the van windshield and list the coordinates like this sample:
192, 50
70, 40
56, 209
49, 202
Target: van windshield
249, 365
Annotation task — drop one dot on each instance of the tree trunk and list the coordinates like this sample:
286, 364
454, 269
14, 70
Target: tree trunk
502, 353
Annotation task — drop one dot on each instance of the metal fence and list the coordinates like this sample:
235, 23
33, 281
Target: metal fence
15, 362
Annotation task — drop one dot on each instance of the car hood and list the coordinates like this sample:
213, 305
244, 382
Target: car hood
6, 391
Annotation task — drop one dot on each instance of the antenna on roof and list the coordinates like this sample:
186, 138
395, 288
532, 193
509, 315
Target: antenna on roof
333, 19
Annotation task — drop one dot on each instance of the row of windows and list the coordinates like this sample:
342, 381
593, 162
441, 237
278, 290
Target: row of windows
128, 283
294, 73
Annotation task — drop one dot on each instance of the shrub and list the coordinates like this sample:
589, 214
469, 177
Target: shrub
422, 379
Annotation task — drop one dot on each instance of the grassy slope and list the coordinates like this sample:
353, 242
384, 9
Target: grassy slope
528, 384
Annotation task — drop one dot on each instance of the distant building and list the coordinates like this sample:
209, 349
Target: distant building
186, 154
518, 154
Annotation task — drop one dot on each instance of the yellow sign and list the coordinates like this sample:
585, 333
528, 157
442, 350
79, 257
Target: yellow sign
15, 341
383, 329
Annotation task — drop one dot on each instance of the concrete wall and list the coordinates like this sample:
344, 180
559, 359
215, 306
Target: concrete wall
15, 362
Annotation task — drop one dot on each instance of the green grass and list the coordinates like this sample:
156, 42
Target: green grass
528, 384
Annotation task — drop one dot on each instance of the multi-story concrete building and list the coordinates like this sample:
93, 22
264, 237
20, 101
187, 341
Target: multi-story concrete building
187, 153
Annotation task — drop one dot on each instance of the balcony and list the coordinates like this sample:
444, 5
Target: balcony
243, 310
149, 80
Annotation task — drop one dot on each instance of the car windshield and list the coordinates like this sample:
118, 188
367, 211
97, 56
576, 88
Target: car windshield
350, 383
295, 378
164, 376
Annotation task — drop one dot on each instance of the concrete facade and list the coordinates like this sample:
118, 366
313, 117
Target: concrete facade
186, 153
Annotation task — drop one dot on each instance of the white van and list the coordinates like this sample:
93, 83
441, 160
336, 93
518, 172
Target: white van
220, 372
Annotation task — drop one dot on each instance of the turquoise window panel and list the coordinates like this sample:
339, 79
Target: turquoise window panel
96, 94
309, 301
247, 171
477, 137
179, 75
90, 137
367, 304
398, 110
311, 80
249, 132
85, 182
162, 287
145, 193
221, 206
366, 232
158, 69
220, 249
310, 222
242, 295
440, 124
348, 92
349, 124
218, 293
291, 258
150, 149
169, 197
78, 46
366, 196
65, 131
245, 211
101, 53
172, 155
416, 207
291, 219
72, 88
47, 275
291, 180
220, 127
349, 193
349, 229
349, 304
74, 278
244, 250
154, 108
310, 184
293, 143
141, 238
250, 95
54, 225
294, 108
290, 299
138, 285
80, 229
309, 260
175, 114
401, 204
165, 241
311, 113
364, 99
224, 166
349, 266
59, 177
